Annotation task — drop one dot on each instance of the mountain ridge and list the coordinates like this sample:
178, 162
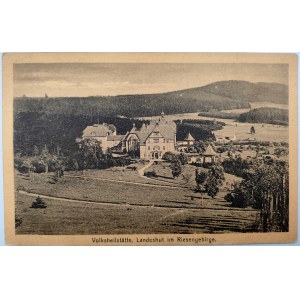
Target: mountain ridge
221, 95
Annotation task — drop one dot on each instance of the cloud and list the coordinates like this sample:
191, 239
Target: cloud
114, 79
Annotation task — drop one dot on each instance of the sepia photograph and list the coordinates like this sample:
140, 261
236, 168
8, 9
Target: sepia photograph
129, 149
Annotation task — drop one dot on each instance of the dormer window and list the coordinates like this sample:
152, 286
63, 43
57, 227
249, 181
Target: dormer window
93, 133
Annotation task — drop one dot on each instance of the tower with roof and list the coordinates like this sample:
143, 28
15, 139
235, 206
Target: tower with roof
210, 155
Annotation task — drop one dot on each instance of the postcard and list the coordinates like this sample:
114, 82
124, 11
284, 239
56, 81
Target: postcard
150, 148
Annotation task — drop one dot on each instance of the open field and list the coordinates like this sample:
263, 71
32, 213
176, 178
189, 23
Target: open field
93, 206
264, 132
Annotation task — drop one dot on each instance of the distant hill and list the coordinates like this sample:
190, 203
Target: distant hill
249, 92
266, 115
223, 95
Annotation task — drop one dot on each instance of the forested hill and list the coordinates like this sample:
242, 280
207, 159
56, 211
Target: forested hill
185, 101
223, 95
266, 115
249, 92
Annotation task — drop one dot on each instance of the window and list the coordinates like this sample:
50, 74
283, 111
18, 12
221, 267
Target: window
164, 148
155, 140
148, 147
93, 133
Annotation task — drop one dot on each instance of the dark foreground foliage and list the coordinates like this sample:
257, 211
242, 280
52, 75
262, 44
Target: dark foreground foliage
265, 187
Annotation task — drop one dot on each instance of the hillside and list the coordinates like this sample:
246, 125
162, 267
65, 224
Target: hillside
184, 101
223, 95
249, 92
266, 115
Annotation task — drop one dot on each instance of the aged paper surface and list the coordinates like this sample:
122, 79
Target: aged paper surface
150, 148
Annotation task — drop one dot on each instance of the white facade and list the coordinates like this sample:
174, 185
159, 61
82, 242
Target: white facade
105, 134
152, 141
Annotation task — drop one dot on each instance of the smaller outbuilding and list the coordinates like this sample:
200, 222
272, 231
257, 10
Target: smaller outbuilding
210, 155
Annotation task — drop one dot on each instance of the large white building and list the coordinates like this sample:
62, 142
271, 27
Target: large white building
152, 141
149, 142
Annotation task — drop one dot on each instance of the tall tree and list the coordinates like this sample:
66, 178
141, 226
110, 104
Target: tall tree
212, 186
214, 180
216, 171
176, 167
90, 153
200, 178
265, 187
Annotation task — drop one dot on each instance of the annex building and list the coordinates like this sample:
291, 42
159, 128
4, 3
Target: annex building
105, 134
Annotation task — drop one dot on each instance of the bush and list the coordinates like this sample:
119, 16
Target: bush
39, 203
239, 197
169, 156
150, 174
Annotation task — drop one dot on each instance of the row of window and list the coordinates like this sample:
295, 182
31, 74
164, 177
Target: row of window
156, 148
156, 140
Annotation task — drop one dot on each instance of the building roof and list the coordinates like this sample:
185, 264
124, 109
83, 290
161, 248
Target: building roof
167, 129
98, 130
115, 137
189, 137
209, 151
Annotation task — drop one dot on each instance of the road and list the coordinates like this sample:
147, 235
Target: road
128, 204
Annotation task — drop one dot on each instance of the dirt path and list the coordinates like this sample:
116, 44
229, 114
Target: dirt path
99, 203
141, 170
170, 184
169, 207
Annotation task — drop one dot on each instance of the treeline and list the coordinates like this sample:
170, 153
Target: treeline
219, 114
58, 132
266, 115
129, 105
89, 155
199, 129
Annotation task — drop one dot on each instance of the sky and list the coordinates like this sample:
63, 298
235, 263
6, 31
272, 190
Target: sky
91, 79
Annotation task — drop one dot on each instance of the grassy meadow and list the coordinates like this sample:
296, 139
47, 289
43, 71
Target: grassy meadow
89, 205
